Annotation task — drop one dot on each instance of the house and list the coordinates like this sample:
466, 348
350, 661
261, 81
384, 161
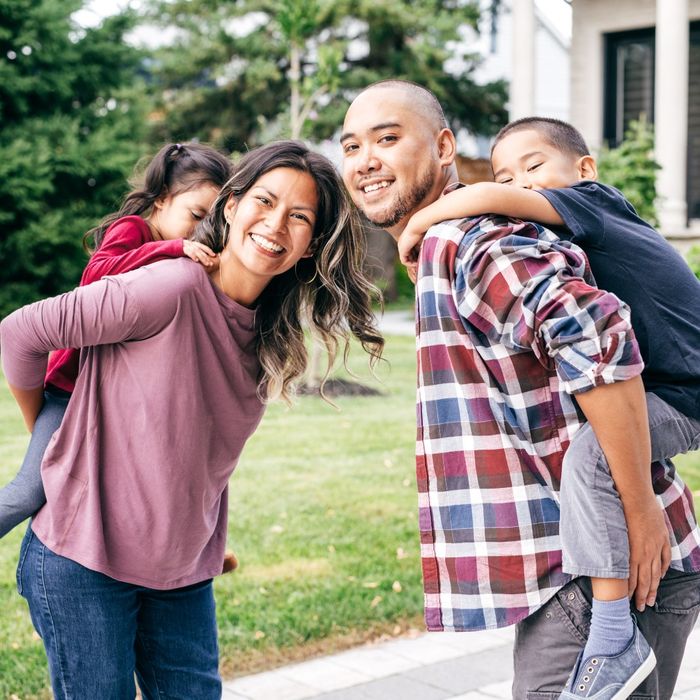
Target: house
501, 41
633, 57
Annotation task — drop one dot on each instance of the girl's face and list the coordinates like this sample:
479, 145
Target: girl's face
271, 226
175, 216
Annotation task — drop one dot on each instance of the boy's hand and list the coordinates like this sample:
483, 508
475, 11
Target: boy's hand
200, 253
409, 243
650, 551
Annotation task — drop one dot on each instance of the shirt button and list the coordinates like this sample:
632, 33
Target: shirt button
572, 596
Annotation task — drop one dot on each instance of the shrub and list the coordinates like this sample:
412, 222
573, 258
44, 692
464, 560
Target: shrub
632, 169
693, 259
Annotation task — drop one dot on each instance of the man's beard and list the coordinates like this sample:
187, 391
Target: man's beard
405, 204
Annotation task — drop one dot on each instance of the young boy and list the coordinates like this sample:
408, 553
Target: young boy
545, 173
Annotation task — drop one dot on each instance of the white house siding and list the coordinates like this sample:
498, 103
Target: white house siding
551, 59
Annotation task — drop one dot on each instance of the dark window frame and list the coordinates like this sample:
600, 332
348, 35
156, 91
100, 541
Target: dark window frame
612, 42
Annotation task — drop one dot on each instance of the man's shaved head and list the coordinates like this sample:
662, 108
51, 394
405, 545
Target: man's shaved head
423, 100
398, 153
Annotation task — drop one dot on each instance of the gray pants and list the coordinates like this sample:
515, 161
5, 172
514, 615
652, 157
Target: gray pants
594, 543
592, 523
548, 642
24, 495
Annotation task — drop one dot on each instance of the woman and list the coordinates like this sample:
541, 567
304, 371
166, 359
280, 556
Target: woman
177, 364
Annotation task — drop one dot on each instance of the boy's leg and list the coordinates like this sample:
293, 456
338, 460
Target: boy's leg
672, 433
548, 642
86, 620
177, 653
593, 529
24, 495
591, 511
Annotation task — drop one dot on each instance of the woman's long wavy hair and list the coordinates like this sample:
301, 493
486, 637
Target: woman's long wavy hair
176, 168
328, 290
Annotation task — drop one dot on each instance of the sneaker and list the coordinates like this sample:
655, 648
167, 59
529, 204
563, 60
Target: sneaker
611, 677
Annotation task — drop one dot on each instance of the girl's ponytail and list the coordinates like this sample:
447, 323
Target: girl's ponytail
176, 168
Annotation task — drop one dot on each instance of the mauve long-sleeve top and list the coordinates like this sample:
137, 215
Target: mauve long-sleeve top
136, 477
128, 243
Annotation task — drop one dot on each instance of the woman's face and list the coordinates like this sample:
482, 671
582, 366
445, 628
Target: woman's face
272, 225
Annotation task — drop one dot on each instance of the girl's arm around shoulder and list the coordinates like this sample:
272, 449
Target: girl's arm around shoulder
475, 200
128, 245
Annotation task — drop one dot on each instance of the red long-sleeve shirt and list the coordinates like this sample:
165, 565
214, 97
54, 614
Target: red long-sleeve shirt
127, 245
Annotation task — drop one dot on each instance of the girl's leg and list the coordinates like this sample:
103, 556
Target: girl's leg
177, 655
24, 495
86, 620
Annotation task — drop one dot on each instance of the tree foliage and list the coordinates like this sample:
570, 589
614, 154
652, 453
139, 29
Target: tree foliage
232, 70
70, 136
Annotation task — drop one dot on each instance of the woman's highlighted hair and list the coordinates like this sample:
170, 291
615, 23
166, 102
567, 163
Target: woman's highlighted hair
328, 290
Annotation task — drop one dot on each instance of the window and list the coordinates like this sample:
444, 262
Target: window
629, 81
629, 93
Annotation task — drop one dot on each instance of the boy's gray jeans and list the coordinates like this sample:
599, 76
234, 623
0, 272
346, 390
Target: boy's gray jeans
594, 543
591, 521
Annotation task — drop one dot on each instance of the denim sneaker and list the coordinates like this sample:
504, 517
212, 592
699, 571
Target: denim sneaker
611, 677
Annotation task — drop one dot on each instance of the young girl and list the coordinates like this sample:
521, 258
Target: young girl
117, 566
179, 186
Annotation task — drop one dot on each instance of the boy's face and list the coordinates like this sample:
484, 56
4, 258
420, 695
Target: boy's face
527, 159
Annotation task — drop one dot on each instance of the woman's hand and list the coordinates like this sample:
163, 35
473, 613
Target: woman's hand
201, 253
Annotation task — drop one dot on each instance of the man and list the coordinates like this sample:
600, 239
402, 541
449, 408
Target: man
510, 328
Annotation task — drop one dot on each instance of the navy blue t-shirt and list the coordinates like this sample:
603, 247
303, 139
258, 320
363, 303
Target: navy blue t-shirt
637, 264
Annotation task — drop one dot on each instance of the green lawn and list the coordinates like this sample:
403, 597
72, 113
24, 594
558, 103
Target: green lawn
322, 517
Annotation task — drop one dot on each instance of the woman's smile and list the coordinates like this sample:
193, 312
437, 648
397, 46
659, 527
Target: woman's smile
266, 245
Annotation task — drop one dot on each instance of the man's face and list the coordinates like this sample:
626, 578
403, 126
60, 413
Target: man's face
526, 159
391, 166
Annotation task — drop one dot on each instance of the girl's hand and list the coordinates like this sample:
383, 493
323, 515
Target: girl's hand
200, 253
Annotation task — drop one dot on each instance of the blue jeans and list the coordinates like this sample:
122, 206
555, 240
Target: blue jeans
24, 495
99, 632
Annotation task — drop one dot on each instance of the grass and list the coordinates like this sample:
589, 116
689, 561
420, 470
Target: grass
322, 517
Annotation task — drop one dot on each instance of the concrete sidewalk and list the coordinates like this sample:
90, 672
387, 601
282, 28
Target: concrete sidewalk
436, 666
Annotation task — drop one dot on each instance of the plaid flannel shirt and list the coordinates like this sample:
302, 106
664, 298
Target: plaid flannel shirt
510, 325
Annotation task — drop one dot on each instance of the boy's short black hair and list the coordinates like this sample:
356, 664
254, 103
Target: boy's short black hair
558, 133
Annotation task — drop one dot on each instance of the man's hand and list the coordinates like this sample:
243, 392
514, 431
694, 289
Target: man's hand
200, 253
618, 415
650, 551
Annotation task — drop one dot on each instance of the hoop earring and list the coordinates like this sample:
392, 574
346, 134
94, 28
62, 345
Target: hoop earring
309, 281
227, 227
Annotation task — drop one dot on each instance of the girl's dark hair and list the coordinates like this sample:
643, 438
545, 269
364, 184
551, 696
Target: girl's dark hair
176, 168
328, 290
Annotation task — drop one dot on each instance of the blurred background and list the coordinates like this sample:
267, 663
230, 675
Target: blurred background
89, 87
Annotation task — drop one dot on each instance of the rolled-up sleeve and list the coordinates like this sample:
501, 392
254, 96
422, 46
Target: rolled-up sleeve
530, 294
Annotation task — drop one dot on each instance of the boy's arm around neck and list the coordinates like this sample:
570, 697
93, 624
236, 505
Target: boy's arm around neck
475, 200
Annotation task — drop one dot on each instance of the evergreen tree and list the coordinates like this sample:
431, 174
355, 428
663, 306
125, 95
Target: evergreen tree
72, 126
246, 71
